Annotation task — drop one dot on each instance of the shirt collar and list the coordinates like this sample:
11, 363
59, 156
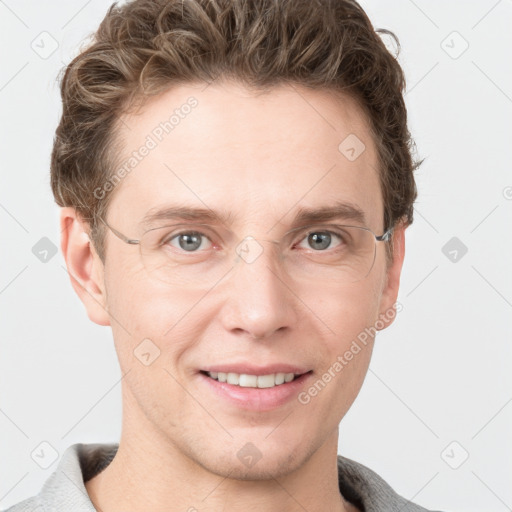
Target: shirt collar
65, 488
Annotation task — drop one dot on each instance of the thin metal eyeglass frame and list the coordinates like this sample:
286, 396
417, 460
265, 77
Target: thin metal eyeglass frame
378, 238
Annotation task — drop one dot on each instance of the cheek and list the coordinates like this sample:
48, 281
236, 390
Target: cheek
142, 308
347, 350
348, 311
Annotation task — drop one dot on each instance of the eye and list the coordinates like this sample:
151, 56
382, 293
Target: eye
321, 240
189, 241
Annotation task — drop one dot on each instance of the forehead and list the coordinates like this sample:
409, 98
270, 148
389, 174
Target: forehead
257, 157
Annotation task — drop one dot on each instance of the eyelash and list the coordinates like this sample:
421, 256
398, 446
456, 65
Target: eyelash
168, 239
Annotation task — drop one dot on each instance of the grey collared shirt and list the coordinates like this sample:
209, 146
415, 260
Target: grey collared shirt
64, 491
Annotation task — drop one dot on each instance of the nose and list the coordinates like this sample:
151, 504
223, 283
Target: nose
260, 300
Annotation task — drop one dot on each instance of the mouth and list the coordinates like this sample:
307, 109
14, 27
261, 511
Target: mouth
251, 387
245, 380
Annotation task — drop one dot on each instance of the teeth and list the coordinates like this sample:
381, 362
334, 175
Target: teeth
248, 381
253, 381
233, 378
267, 381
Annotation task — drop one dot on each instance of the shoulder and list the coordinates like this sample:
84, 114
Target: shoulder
29, 505
64, 489
366, 489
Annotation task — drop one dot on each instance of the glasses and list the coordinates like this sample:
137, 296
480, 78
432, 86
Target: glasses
194, 255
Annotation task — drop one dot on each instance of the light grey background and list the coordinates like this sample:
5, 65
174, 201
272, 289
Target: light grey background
440, 376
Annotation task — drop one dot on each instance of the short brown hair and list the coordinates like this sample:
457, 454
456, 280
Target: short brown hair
143, 47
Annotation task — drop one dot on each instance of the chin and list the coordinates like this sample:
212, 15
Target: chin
267, 468
249, 463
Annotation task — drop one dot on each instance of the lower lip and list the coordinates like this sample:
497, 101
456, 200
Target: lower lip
257, 399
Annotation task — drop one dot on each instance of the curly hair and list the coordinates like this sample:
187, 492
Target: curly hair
143, 47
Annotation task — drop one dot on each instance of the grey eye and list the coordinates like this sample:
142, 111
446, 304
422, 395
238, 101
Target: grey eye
320, 240
189, 241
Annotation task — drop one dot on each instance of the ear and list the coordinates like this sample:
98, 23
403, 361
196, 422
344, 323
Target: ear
84, 266
387, 308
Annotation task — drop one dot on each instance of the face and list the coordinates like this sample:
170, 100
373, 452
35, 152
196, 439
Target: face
260, 159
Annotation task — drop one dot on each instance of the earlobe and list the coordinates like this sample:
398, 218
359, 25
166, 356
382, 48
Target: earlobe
84, 266
388, 309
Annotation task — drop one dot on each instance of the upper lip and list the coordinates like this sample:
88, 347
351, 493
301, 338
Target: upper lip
251, 369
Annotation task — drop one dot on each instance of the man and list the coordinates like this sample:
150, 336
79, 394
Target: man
235, 180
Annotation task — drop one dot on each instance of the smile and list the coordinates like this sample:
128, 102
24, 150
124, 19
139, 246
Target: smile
253, 381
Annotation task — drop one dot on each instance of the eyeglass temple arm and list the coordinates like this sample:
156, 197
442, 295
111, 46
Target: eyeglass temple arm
120, 235
384, 237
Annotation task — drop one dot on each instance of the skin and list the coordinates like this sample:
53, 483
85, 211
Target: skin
259, 157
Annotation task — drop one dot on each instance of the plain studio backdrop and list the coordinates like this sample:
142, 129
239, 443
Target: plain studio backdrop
434, 415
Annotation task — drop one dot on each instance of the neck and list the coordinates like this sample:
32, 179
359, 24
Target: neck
149, 472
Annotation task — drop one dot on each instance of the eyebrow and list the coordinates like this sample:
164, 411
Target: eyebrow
304, 216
